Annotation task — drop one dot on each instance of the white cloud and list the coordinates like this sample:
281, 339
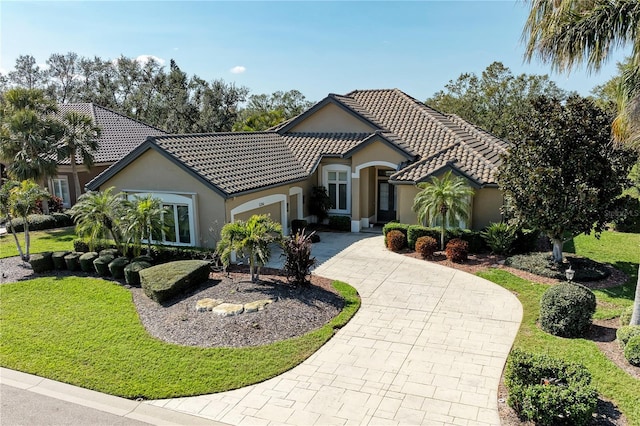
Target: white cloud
238, 69
143, 59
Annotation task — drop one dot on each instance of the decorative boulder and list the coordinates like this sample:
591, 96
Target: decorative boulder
228, 309
204, 305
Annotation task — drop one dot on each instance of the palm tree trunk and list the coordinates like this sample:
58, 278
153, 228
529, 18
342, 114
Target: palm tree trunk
251, 267
27, 241
442, 229
635, 317
15, 237
74, 172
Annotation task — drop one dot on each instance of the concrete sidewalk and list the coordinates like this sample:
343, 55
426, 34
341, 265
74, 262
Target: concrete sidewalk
427, 347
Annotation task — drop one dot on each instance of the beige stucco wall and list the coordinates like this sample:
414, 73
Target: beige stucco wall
84, 176
486, 207
332, 118
376, 152
271, 210
151, 172
405, 195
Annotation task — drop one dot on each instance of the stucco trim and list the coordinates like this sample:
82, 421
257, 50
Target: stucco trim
296, 190
356, 174
377, 137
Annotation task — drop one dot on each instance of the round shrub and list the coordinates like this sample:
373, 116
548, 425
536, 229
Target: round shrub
101, 264
142, 258
41, 262
426, 246
625, 316
632, 351
131, 272
58, 259
625, 333
396, 240
108, 252
116, 267
457, 250
72, 261
566, 309
549, 391
86, 261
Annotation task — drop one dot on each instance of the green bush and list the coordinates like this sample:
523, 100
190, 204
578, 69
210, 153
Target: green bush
116, 267
626, 332
526, 241
476, 243
416, 231
549, 391
143, 258
632, 351
72, 261
108, 252
164, 254
457, 250
62, 220
58, 259
340, 223
37, 222
81, 245
132, 272
426, 246
625, 316
500, 237
297, 225
394, 226
566, 309
101, 264
396, 240
41, 262
162, 282
541, 263
86, 261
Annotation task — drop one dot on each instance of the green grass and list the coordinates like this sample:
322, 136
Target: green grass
50, 240
86, 332
611, 381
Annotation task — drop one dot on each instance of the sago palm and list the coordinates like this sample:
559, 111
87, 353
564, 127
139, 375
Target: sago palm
445, 199
251, 239
98, 216
568, 33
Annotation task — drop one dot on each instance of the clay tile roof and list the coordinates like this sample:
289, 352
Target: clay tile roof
309, 148
120, 134
235, 162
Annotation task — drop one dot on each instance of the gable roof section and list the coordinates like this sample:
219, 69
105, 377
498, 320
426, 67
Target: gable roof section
120, 134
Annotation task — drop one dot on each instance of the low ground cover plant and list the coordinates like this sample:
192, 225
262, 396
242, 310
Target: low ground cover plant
541, 263
566, 309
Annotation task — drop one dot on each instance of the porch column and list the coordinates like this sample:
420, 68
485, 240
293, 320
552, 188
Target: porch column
355, 204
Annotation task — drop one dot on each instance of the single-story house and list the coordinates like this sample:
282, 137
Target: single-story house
119, 136
368, 148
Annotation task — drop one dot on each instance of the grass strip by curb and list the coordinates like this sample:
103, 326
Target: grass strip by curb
86, 332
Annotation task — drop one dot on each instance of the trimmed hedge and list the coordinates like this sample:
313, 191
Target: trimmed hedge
109, 252
132, 272
86, 261
396, 240
549, 391
340, 223
162, 282
142, 258
426, 246
476, 243
58, 259
116, 267
41, 262
101, 264
625, 333
625, 316
40, 222
632, 351
81, 245
566, 309
72, 261
416, 231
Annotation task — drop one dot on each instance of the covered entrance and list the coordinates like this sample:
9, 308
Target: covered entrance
386, 206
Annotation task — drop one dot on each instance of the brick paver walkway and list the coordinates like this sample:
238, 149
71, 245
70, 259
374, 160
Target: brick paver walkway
427, 347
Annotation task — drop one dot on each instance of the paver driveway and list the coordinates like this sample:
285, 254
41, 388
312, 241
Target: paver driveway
427, 347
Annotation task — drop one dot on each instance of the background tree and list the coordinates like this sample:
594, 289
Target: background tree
62, 73
493, 100
79, 138
445, 199
569, 33
29, 134
251, 239
27, 74
264, 111
562, 175
218, 104
98, 216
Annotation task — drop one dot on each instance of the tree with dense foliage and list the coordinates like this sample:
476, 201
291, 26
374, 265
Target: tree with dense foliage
251, 239
445, 200
27, 74
562, 175
264, 111
144, 219
29, 134
79, 138
569, 33
98, 216
19, 200
493, 100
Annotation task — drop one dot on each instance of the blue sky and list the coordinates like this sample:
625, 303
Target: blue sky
315, 47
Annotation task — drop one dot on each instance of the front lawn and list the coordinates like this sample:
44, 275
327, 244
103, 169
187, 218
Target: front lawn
86, 332
59, 239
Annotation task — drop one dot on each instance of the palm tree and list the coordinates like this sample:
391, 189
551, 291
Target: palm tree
444, 199
568, 33
144, 219
29, 134
78, 139
251, 239
98, 216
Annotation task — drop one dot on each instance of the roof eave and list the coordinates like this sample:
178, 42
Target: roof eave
372, 138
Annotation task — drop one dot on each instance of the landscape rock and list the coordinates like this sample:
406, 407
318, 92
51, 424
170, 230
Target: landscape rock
207, 304
258, 305
228, 309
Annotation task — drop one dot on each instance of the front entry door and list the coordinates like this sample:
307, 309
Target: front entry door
386, 202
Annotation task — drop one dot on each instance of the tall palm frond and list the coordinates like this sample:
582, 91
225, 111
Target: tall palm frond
98, 216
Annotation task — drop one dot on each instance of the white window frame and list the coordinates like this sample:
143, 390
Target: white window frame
54, 185
174, 199
325, 177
